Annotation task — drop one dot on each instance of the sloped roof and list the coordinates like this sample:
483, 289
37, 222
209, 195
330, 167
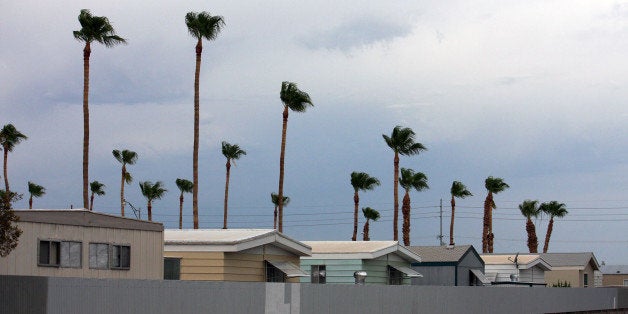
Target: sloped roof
580, 260
359, 250
614, 269
524, 261
85, 218
229, 240
441, 253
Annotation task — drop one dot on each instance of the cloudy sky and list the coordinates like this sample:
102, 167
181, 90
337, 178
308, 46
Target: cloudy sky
533, 92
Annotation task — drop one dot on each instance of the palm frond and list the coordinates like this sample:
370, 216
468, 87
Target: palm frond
370, 213
402, 141
232, 151
363, 181
152, 191
411, 180
459, 190
294, 98
10, 137
97, 188
554, 209
274, 197
529, 208
128, 178
36, 190
204, 25
185, 186
96, 28
495, 185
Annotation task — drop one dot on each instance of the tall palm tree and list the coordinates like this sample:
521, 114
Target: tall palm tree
298, 101
458, 190
530, 209
275, 199
35, 190
493, 186
125, 157
97, 188
185, 186
410, 180
369, 214
401, 141
553, 209
152, 192
360, 181
93, 28
9, 137
200, 25
232, 153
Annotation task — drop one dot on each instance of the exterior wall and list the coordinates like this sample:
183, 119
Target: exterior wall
469, 261
339, 271
499, 272
377, 269
615, 280
533, 274
200, 265
436, 275
146, 251
591, 276
571, 276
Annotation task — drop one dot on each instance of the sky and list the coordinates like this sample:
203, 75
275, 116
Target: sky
532, 92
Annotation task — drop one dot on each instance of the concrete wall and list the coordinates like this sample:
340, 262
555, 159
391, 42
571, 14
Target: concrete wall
75, 295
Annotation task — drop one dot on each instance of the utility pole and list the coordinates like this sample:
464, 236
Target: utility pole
440, 236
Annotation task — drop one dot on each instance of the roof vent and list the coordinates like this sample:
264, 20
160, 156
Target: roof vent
360, 277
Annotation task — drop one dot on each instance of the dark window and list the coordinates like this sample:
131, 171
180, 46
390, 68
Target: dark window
71, 253
586, 280
273, 274
318, 274
120, 256
99, 255
49, 252
395, 277
172, 268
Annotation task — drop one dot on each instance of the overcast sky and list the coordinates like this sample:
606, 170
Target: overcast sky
533, 92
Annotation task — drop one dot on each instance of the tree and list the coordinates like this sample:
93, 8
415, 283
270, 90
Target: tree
98, 29
200, 25
410, 180
360, 181
298, 101
35, 190
125, 157
493, 186
97, 188
369, 214
401, 141
232, 153
275, 199
185, 186
9, 138
458, 190
152, 192
553, 209
9, 230
530, 209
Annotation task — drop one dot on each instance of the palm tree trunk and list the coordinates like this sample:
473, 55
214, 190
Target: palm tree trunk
228, 166
122, 190
533, 242
91, 202
548, 234
275, 219
396, 198
30, 202
451, 225
181, 211
487, 207
365, 232
281, 166
405, 210
150, 211
356, 203
86, 53
199, 50
490, 236
6, 178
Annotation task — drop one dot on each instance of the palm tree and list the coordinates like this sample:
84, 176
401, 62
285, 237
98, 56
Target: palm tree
298, 101
35, 190
97, 188
493, 186
152, 192
9, 137
232, 153
401, 141
125, 157
410, 180
458, 190
275, 199
93, 28
185, 186
360, 181
530, 209
369, 214
200, 25
553, 209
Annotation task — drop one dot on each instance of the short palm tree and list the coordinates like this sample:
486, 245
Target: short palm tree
275, 199
401, 141
298, 101
97, 188
9, 137
458, 190
35, 190
152, 192
200, 25
553, 209
185, 186
98, 29
493, 186
410, 180
360, 181
232, 152
369, 214
125, 157
530, 209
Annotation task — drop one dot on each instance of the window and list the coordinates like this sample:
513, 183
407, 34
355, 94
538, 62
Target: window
395, 277
318, 274
626, 282
49, 253
99, 255
71, 253
172, 268
120, 256
586, 280
273, 274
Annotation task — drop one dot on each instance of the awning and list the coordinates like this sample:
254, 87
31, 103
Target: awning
289, 269
478, 274
407, 270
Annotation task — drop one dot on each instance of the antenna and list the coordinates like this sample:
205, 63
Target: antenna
440, 235
136, 212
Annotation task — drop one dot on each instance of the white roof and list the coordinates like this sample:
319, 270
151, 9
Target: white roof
524, 261
229, 240
359, 250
